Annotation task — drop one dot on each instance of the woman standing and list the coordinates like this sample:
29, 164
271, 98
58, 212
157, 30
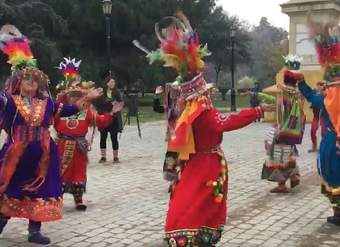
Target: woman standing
110, 98
30, 183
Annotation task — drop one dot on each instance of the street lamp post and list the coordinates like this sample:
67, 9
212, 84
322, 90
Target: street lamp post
107, 9
233, 93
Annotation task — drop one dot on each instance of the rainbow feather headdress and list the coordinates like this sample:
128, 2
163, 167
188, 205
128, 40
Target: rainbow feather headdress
180, 47
17, 47
72, 83
327, 43
326, 37
70, 69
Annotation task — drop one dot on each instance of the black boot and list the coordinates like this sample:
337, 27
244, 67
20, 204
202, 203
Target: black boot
34, 234
3, 222
78, 200
335, 219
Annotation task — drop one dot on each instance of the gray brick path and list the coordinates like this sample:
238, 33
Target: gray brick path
127, 202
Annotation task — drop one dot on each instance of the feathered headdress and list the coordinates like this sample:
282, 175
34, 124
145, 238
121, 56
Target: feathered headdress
327, 42
181, 50
70, 68
72, 82
76, 88
180, 47
17, 47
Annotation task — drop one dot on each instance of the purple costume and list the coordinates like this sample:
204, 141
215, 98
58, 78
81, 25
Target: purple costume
29, 158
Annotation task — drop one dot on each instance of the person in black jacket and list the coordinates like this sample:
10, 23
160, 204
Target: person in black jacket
110, 97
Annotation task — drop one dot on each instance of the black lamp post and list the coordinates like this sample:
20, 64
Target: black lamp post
107, 9
233, 93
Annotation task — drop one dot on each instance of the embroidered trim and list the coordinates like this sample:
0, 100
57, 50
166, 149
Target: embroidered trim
221, 117
70, 146
205, 236
36, 210
74, 188
281, 166
72, 123
335, 191
332, 193
26, 134
33, 113
220, 185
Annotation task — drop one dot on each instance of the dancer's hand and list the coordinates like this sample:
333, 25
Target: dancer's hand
94, 94
294, 75
117, 107
247, 93
159, 90
267, 108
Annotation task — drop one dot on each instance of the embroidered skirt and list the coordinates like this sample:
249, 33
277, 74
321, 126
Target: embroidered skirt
198, 205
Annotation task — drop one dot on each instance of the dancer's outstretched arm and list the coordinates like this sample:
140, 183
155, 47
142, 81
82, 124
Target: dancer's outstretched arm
62, 110
105, 119
313, 97
223, 123
262, 97
266, 98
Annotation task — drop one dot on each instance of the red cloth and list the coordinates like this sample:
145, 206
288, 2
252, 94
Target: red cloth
193, 204
66, 126
76, 169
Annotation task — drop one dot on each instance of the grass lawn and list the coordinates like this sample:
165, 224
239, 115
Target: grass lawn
146, 113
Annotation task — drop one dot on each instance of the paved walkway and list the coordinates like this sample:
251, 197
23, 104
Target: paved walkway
127, 202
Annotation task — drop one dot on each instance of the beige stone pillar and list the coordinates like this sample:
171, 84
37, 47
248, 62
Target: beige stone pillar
299, 41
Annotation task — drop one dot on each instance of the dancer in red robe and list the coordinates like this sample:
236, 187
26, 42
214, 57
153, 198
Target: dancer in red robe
72, 143
198, 204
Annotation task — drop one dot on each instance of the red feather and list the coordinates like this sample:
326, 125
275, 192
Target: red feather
328, 54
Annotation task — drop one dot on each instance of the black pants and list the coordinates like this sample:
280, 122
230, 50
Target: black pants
114, 139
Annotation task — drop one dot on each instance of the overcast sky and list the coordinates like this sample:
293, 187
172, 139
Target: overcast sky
253, 10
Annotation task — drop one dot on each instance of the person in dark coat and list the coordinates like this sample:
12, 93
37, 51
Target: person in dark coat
254, 102
110, 97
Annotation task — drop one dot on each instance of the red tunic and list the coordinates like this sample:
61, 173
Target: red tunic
72, 146
194, 215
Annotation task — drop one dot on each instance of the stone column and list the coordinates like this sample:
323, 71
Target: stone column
298, 10
299, 41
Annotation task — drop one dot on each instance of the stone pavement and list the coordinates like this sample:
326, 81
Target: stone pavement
127, 202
